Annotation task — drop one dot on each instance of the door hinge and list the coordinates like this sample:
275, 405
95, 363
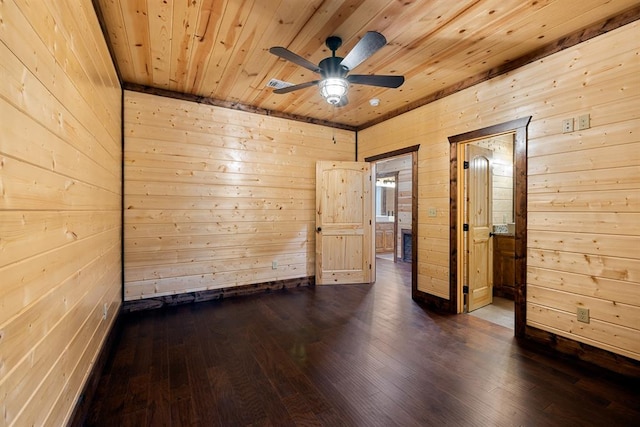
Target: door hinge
465, 227
465, 165
465, 289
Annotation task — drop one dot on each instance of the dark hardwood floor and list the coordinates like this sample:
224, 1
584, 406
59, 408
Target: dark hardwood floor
356, 355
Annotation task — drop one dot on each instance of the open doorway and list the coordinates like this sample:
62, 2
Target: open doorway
395, 189
393, 208
488, 255
386, 215
466, 266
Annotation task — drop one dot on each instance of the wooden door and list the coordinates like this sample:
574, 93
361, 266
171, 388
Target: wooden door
480, 261
343, 223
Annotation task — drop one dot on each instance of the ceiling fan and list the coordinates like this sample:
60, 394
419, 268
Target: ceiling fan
334, 69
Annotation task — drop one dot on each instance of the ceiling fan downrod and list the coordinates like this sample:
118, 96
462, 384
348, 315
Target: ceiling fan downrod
331, 67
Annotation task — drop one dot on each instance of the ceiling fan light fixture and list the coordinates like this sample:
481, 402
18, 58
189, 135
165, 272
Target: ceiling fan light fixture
333, 89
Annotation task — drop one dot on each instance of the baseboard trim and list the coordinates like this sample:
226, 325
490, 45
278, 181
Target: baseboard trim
594, 356
81, 409
214, 294
432, 302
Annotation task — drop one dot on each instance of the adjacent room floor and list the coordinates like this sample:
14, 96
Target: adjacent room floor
500, 311
354, 355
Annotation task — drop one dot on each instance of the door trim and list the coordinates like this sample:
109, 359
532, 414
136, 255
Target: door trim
413, 150
519, 128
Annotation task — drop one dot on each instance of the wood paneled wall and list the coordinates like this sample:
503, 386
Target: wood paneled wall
583, 186
217, 198
60, 205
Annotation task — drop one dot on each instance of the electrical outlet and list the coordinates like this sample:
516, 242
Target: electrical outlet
584, 122
105, 309
583, 314
274, 265
567, 125
433, 212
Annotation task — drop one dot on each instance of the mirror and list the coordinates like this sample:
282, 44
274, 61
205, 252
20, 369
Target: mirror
385, 196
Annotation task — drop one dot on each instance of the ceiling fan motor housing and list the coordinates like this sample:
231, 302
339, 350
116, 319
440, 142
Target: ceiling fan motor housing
331, 68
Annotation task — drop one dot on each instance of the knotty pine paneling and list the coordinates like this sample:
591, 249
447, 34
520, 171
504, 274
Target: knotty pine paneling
60, 208
583, 186
214, 196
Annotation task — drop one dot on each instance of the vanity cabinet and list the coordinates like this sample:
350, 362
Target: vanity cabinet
385, 237
504, 273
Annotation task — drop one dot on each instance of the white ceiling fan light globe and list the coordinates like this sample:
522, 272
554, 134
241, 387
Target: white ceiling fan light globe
333, 89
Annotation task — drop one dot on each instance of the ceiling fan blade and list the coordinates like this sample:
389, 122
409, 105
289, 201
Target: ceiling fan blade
295, 87
373, 80
296, 59
367, 46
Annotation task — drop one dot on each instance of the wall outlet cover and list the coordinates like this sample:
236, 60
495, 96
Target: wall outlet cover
567, 125
583, 314
584, 122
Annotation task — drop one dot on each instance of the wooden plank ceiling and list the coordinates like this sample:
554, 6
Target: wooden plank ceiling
219, 48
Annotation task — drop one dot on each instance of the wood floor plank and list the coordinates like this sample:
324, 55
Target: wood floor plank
354, 355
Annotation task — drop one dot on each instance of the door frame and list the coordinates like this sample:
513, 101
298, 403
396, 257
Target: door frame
413, 150
519, 128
